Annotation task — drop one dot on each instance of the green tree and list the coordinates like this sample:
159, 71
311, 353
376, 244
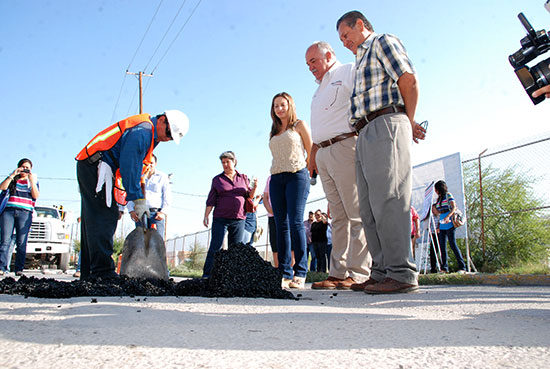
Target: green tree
118, 244
515, 231
194, 258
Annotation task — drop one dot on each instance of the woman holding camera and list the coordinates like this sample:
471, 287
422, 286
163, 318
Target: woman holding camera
22, 185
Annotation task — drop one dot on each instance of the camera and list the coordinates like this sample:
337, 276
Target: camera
534, 44
26, 171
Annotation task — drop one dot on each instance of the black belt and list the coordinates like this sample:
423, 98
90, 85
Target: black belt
155, 210
338, 138
361, 123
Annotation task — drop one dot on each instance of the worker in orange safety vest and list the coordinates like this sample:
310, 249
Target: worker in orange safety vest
125, 149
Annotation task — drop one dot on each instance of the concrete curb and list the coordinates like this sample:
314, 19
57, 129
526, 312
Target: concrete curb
487, 279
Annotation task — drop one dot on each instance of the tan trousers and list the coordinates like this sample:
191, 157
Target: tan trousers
336, 167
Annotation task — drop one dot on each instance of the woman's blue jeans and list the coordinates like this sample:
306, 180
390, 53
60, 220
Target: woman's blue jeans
235, 229
289, 193
20, 220
450, 234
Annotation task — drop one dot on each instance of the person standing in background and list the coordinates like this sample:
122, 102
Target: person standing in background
333, 158
444, 208
311, 252
23, 186
319, 240
226, 197
158, 196
329, 237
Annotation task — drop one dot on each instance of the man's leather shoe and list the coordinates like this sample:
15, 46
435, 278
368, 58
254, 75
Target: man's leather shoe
390, 285
362, 286
346, 284
328, 284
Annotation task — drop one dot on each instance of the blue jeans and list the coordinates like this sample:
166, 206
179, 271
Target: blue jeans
235, 229
250, 224
20, 220
289, 193
313, 262
160, 223
450, 234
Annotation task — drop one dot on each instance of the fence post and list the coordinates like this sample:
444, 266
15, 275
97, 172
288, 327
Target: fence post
481, 205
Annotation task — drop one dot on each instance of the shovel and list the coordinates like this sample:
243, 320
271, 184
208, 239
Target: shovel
144, 253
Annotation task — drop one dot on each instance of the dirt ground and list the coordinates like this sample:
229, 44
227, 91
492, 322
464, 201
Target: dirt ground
439, 327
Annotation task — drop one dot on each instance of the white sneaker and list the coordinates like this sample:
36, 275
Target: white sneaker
298, 283
461, 271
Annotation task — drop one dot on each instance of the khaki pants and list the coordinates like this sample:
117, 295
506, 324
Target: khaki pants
385, 184
350, 255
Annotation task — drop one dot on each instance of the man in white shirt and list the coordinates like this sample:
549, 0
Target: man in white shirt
158, 195
333, 158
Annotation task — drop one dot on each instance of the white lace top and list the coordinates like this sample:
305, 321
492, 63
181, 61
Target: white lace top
288, 152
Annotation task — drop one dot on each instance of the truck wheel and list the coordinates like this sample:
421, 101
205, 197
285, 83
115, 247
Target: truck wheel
63, 261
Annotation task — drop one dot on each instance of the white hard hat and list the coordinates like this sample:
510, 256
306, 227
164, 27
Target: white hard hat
178, 122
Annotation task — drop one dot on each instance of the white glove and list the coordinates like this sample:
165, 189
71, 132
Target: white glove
140, 207
105, 176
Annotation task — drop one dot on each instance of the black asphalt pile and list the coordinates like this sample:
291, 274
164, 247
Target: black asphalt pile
238, 272
241, 271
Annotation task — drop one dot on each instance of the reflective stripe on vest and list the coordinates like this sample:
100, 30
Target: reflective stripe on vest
107, 138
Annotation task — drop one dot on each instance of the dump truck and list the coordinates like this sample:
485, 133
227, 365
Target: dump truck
49, 241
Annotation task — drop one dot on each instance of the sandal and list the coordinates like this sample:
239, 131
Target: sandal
298, 283
285, 283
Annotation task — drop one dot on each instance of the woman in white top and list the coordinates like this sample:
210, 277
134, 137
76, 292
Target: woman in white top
290, 142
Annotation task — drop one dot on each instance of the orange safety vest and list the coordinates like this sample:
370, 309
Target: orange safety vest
107, 138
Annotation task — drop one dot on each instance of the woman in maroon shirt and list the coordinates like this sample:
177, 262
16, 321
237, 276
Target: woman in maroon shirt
227, 196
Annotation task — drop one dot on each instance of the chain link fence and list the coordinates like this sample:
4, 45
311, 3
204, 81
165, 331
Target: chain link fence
190, 250
507, 209
507, 204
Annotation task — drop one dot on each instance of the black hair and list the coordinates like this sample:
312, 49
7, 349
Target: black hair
441, 188
13, 183
350, 19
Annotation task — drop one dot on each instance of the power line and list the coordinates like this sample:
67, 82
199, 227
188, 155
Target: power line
188, 194
118, 98
175, 38
165, 34
145, 34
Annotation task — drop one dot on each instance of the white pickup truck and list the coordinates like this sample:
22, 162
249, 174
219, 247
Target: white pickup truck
49, 238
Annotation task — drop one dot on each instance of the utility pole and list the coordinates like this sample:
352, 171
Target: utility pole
140, 78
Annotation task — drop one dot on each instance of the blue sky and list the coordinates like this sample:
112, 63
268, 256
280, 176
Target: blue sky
63, 66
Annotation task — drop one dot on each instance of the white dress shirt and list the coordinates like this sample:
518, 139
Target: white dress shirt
330, 105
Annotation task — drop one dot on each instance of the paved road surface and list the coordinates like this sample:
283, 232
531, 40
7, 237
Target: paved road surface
439, 327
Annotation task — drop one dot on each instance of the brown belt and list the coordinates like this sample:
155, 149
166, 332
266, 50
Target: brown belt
338, 138
361, 123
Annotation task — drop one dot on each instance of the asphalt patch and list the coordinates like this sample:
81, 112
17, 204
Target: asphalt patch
238, 271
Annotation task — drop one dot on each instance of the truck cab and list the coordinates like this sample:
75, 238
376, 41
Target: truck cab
49, 239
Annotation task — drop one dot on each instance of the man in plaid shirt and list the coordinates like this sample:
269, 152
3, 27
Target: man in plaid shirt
383, 104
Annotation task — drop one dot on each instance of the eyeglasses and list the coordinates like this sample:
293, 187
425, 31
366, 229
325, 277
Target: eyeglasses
424, 125
168, 132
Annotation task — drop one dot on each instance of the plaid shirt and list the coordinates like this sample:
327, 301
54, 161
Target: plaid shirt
380, 61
